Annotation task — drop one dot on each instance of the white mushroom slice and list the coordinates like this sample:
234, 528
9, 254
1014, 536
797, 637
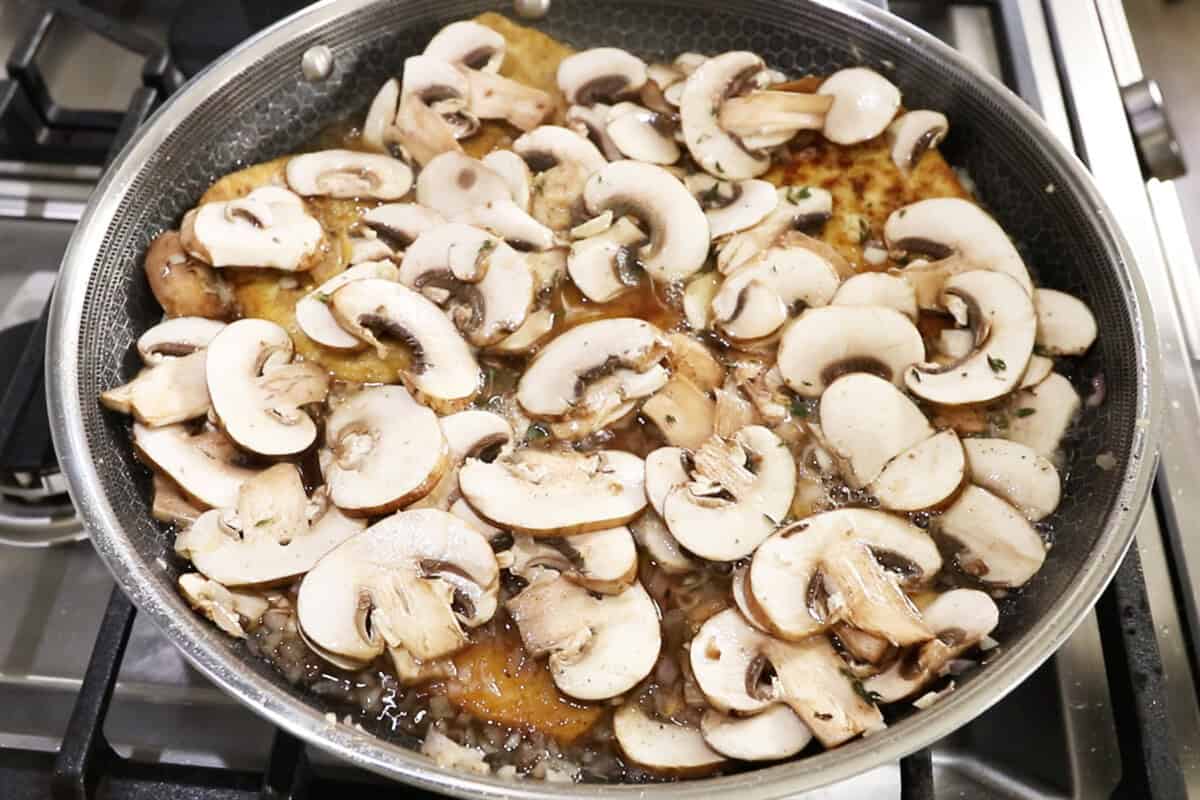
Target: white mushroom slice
816, 683
171, 505
866, 422
410, 582
422, 133
605, 265
755, 300
452, 252
399, 224
960, 618
640, 134
600, 75
600, 646
678, 229
663, 747
1042, 415
505, 219
1039, 367
956, 343
825, 343
438, 86
666, 469
469, 434
915, 133
176, 338
380, 116
537, 326
313, 314
768, 118
453, 183
447, 753
673, 94
558, 376
1000, 313
1015, 473
603, 561
259, 396
771, 735
923, 476
682, 413
1065, 325
384, 451
269, 538
798, 208
369, 248
688, 62
843, 547
877, 289
740, 490
513, 170
697, 300
999, 546
462, 509
652, 535
468, 44
744, 602
732, 207
608, 401
728, 664
948, 226
551, 145
174, 390
443, 370
864, 103
269, 227
496, 97
707, 88
349, 174
664, 74
693, 360
226, 609
205, 466
592, 122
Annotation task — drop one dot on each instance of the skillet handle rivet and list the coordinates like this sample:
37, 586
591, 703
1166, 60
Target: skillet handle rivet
531, 9
317, 63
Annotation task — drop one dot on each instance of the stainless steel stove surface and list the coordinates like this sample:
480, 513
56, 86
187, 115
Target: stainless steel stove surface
1055, 737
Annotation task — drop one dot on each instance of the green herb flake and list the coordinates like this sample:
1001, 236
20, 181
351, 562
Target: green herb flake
864, 230
536, 432
1026, 412
671, 419
997, 364
263, 522
799, 407
860, 690
322, 297
798, 193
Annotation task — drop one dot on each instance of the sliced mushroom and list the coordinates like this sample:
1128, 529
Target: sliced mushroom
661, 746
444, 90
600, 75
1065, 325
1015, 473
641, 134
185, 286
468, 44
496, 97
698, 297
708, 87
999, 546
682, 413
605, 265
958, 233
453, 183
269, 227
666, 209
732, 206
599, 646
768, 118
447, 753
923, 476
258, 393
553, 493
380, 116
399, 224
864, 103
915, 133
690, 358
867, 422
603, 561
537, 326
171, 505
205, 466
663, 75
410, 582
1000, 313
349, 174
268, 536
727, 661
176, 338
1039, 367
825, 343
469, 434
443, 371
742, 600
313, 314
740, 490
174, 390
227, 610
513, 170
653, 536
877, 289
1042, 415
563, 161
667, 468
420, 132
592, 122
960, 618
756, 299
369, 247
826, 569
505, 219
956, 343
798, 208
771, 735
384, 451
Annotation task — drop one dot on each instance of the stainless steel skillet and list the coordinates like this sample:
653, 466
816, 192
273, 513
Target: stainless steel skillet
254, 104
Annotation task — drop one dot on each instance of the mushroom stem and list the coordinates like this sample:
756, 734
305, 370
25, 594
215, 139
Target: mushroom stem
769, 111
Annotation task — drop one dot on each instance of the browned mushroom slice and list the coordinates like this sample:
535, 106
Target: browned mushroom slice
206, 466
999, 545
185, 286
174, 390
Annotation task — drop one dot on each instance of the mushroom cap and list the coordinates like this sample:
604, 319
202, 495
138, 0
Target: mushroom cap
174, 390
662, 746
603, 266
171, 505
313, 314
683, 414
600, 646
510, 222
557, 376
924, 476
496, 97
259, 396
913, 134
877, 289
728, 665
1065, 325
756, 471
399, 224
601, 74
591, 122
443, 372
778, 732
205, 465
349, 174
866, 422
550, 145
1037, 371
537, 326
784, 565
384, 451
468, 44
270, 227
999, 545
747, 204
653, 536
380, 116
1016, 474
185, 286
667, 468
438, 86
864, 103
1001, 315
474, 432
798, 208
756, 299
825, 343
176, 338
708, 86
697, 299
550, 493
638, 133
1053, 405
453, 183
603, 561
664, 206
513, 170
410, 581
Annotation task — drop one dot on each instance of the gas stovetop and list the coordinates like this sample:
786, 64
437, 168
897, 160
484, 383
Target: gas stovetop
1114, 713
